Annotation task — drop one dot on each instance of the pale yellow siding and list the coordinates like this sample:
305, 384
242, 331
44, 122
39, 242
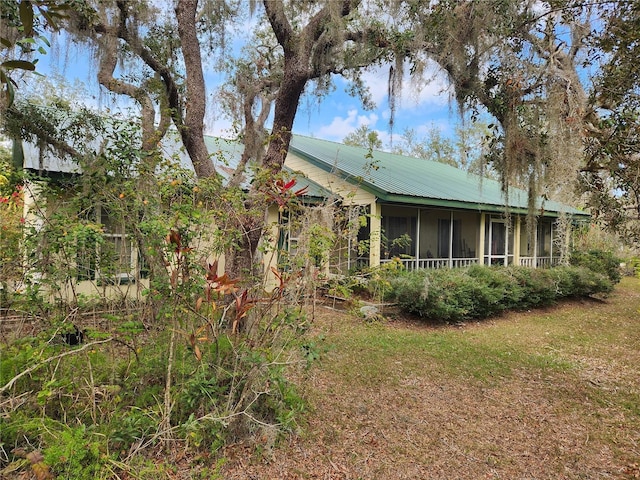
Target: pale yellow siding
269, 247
351, 194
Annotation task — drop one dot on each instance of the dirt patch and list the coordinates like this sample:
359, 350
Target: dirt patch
426, 425
443, 430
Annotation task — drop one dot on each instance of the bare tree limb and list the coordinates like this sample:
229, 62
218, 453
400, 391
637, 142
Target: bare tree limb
37, 366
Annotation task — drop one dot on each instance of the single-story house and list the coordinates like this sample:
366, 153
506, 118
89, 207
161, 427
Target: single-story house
429, 214
422, 213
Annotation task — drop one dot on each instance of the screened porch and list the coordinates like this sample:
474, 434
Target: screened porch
429, 238
437, 238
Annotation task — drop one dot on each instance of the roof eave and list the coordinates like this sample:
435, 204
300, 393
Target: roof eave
458, 204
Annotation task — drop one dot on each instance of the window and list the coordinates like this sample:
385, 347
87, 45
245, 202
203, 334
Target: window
108, 256
289, 239
117, 259
87, 258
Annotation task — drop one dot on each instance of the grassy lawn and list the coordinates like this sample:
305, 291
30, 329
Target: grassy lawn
546, 394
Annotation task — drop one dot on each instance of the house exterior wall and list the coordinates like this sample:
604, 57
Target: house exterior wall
375, 237
36, 210
351, 194
466, 240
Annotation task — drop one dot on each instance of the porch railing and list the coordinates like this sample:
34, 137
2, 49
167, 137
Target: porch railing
433, 263
538, 262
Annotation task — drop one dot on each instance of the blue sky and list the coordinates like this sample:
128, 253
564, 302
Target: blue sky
340, 114
331, 118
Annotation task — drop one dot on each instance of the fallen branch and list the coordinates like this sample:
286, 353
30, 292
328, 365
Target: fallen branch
49, 360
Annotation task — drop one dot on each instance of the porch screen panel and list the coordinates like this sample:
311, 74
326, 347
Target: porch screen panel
444, 234
510, 245
399, 234
544, 238
526, 240
352, 229
466, 226
498, 239
429, 233
445, 241
360, 247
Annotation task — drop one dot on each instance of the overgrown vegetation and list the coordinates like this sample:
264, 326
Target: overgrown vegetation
172, 353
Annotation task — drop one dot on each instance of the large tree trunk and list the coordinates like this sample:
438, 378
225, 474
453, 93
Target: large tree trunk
241, 259
300, 65
192, 131
286, 107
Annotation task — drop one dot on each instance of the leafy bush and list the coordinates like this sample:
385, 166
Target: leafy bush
601, 261
379, 284
538, 288
481, 291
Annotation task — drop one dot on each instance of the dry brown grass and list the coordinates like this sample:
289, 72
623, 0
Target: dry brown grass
550, 394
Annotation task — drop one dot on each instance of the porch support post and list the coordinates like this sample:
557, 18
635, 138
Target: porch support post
375, 234
481, 238
516, 240
535, 242
417, 239
507, 227
451, 239
551, 245
270, 254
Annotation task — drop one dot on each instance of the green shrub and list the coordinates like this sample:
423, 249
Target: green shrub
448, 294
482, 291
600, 261
76, 453
496, 288
538, 287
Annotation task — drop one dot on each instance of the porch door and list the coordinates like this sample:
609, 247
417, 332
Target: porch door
497, 243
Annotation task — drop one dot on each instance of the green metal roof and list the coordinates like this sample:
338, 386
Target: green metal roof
400, 179
226, 154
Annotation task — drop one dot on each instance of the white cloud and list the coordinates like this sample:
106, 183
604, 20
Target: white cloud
340, 127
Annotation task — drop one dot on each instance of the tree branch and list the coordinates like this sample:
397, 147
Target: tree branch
172, 91
43, 135
278, 19
35, 367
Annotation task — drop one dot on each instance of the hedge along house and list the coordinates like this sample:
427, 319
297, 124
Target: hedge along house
428, 214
